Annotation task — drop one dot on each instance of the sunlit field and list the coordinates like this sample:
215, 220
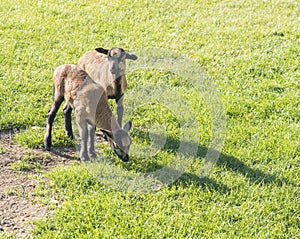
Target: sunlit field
250, 51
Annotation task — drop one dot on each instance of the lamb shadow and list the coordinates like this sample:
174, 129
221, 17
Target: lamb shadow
205, 183
173, 177
256, 176
61, 152
229, 162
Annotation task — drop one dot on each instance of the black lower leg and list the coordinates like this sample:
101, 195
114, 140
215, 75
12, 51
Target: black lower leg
48, 137
120, 110
50, 119
68, 121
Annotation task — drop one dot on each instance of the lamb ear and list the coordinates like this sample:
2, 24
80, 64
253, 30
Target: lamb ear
102, 50
107, 133
127, 126
131, 56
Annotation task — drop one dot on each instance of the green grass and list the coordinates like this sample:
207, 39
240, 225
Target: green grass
4, 235
30, 162
250, 50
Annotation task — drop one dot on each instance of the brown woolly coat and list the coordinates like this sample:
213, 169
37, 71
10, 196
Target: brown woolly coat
96, 65
88, 98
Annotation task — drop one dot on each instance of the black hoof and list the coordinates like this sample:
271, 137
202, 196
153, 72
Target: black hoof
47, 145
125, 159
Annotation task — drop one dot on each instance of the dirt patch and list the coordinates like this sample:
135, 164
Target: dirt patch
17, 202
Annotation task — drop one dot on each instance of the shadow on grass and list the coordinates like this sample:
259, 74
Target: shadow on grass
205, 183
255, 176
234, 164
230, 163
61, 152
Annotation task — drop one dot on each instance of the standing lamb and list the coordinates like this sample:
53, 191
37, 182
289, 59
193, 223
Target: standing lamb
89, 100
107, 67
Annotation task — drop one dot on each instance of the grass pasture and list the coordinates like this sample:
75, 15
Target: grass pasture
251, 51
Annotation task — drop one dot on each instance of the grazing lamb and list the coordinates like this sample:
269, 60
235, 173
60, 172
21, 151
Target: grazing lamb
89, 100
107, 67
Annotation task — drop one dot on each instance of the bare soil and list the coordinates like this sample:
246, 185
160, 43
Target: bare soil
18, 207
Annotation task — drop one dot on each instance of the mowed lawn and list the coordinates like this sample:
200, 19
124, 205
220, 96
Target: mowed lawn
251, 52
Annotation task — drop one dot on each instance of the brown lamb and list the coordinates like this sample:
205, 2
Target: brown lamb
89, 99
108, 68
